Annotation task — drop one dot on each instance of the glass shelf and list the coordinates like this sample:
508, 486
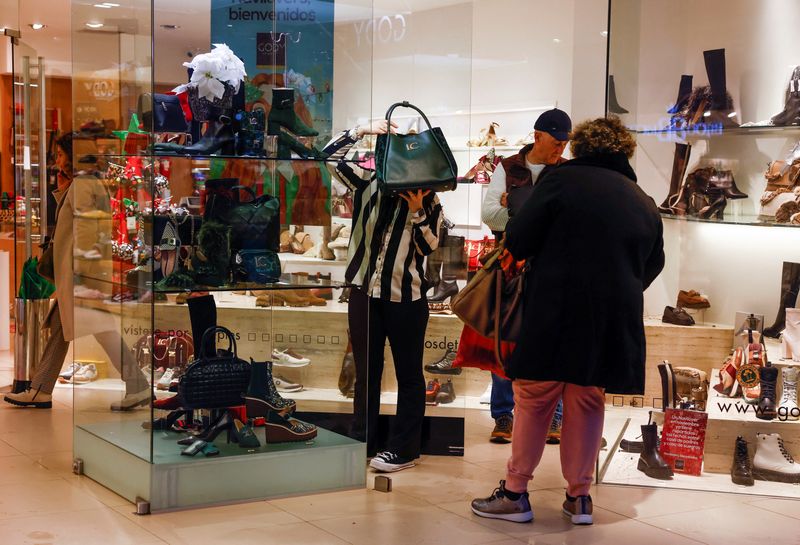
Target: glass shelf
703, 132
288, 281
738, 219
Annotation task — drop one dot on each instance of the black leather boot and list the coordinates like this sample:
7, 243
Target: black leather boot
262, 396
767, 400
684, 91
347, 375
675, 203
613, 105
668, 385
650, 461
790, 284
218, 138
721, 108
283, 116
444, 290
791, 110
741, 468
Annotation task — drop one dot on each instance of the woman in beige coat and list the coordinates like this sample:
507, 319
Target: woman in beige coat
64, 315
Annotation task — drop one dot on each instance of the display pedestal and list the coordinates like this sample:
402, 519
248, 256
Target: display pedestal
703, 346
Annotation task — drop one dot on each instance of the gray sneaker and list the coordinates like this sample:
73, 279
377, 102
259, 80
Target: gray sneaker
500, 506
579, 510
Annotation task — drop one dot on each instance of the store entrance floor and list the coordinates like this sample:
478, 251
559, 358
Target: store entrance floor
42, 502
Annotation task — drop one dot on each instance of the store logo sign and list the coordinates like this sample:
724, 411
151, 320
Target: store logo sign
100, 89
386, 29
270, 49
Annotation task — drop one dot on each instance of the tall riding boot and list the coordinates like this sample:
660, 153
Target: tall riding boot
203, 316
790, 284
324, 251
741, 468
432, 268
791, 109
668, 385
721, 107
675, 203
262, 396
613, 105
650, 460
218, 138
684, 91
347, 375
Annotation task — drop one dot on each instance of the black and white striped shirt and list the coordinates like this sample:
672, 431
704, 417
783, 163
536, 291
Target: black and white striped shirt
388, 244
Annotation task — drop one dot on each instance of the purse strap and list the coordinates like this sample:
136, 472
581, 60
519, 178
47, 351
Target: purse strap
214, 331
405, 104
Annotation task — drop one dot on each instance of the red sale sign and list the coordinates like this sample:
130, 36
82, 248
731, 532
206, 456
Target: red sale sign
682, 440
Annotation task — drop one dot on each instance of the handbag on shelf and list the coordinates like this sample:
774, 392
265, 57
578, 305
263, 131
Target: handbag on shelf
164, 349
478, 251
165, 114
215, 381
414, 161
254, 224
491, 303
257, 266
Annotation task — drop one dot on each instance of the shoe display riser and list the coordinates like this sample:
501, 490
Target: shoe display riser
333, 462
705, 346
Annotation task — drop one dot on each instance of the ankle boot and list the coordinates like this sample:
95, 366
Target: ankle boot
203, 316
676, 202
741, 470
772, 461
613, 105
684, 91
791, 110
650, 460
262, 396
721, 107
788, 408
790, 284
218, 138
283, 116
444, 290
250, 133
767, 406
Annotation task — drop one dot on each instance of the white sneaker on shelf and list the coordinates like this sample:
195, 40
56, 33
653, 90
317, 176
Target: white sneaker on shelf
284, 385
66, 376
486, 396
86, 373
166, 379
289, 358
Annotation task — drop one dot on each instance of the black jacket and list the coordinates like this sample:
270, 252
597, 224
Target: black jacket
594, 240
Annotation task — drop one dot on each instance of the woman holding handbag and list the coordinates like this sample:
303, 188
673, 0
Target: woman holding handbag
390, 239
594, 241
61, 320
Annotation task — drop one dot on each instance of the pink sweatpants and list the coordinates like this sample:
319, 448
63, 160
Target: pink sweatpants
581, 432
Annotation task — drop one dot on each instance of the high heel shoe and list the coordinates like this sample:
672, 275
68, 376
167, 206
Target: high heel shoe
715, 210
444, 290
288, 144
222, 422
217, 138
283, 116
244, 435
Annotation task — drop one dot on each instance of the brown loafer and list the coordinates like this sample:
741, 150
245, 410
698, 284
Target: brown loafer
676, 316
692, 299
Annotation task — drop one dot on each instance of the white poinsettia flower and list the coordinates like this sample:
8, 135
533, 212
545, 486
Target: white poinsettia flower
212, 70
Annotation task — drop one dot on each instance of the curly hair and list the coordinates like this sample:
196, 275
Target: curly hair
602, 136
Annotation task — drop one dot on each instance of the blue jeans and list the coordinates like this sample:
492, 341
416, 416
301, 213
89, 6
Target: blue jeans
502, 400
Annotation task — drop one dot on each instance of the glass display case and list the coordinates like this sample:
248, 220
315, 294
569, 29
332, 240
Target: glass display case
194, 210
716, 118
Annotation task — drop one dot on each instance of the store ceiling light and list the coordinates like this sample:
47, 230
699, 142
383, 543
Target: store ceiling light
106, 5
37, 26
170, 27
94, 25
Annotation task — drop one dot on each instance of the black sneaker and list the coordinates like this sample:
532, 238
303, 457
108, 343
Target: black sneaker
444, 366
390, 462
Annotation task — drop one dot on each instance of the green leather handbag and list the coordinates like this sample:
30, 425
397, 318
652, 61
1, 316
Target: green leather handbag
414, 161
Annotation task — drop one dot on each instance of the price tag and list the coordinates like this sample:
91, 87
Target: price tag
131, 223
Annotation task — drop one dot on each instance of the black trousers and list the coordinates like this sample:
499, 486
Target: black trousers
404, 325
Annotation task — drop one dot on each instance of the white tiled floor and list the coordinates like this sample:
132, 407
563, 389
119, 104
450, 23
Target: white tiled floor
42, 502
